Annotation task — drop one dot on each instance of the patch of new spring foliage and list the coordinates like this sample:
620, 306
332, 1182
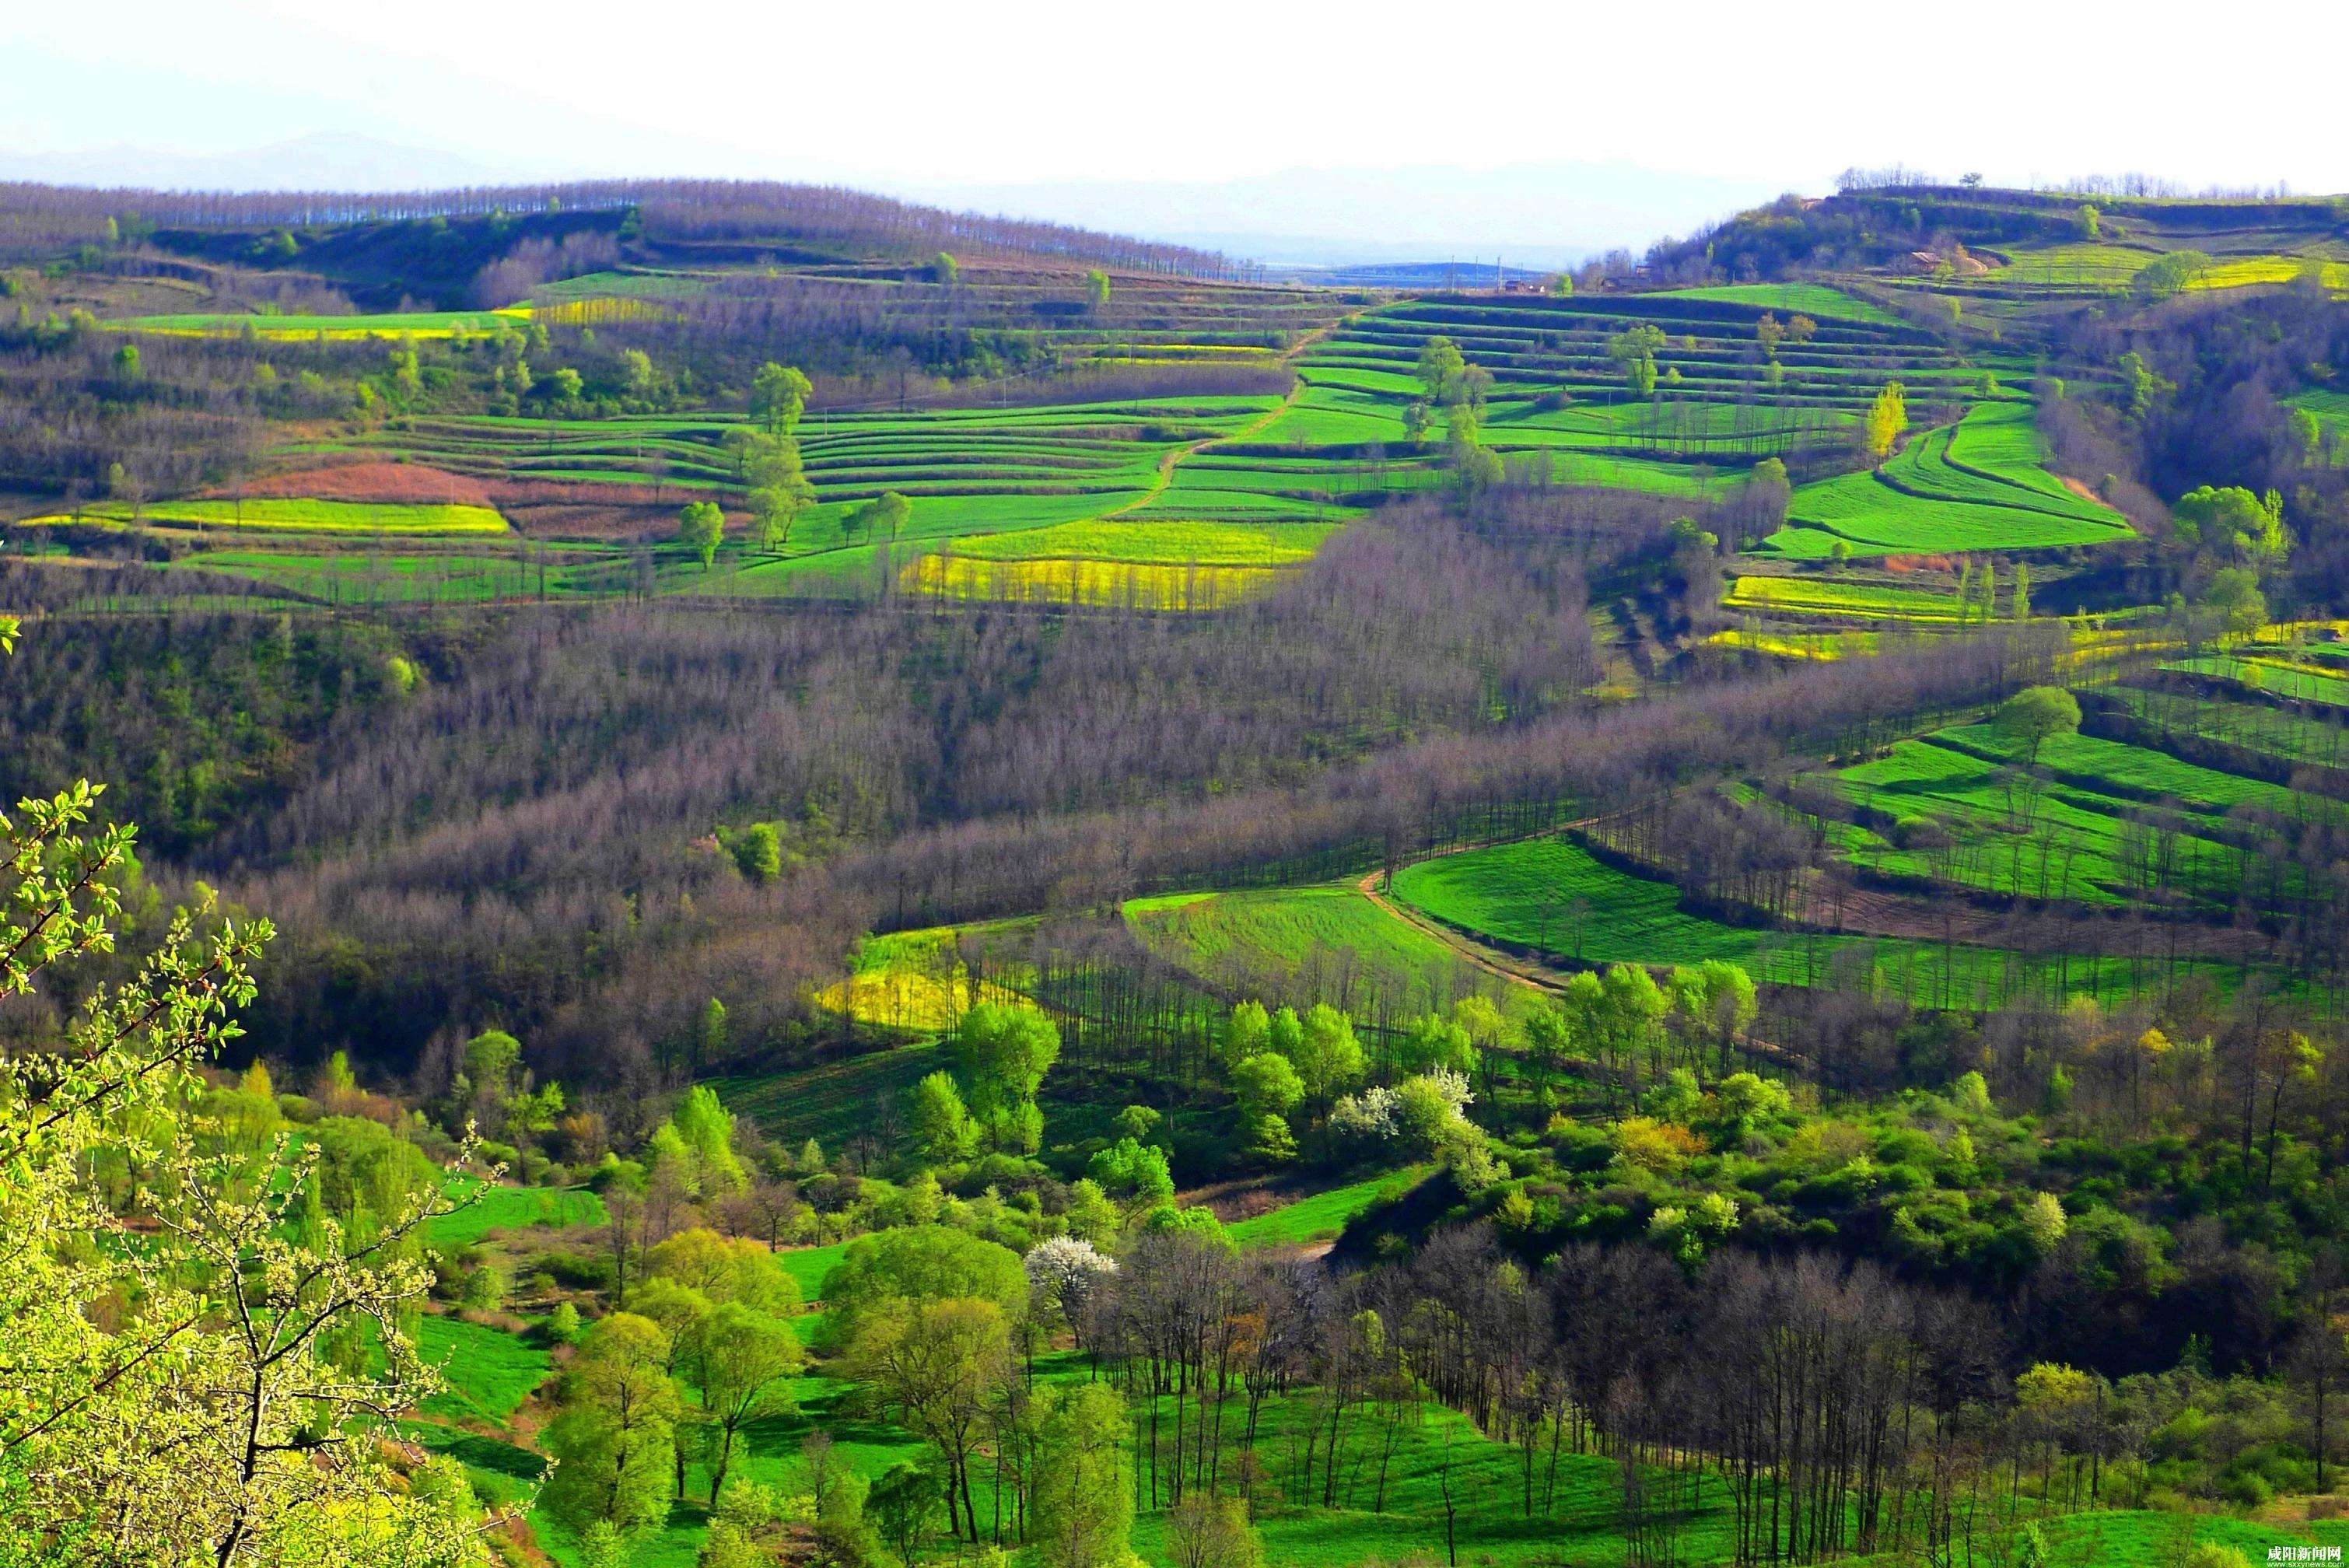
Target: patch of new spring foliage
911, 980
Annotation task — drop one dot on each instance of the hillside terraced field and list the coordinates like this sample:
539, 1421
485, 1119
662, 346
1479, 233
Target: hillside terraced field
1171, 542
2316, 675
2289, 735
1831, 598
913, 981
1978, 485
1709, 354
2115, 823
389, 325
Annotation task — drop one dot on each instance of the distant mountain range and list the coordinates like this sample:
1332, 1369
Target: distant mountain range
1410, 275
324, 161
1534, 214
1538, 215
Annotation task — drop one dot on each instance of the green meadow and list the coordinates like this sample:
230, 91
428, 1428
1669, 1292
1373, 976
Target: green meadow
1330, 939
1320, 1216
490, 1207
1975, 486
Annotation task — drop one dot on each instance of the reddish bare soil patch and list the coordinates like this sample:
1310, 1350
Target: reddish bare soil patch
1918, 563
558, 493
605, 513
601, 521
391, 483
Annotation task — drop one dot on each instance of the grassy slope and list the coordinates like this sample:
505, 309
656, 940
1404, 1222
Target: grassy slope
1804, 299
1979, 486
490, 1371
1329, 934
503, 1208
832, 1103
1320, 1218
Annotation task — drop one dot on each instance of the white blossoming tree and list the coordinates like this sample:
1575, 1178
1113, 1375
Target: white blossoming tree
1063, 1272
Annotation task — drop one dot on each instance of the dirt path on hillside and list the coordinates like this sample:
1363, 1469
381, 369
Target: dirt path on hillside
1164, 479
1167, 464
1516, 972
1526, 974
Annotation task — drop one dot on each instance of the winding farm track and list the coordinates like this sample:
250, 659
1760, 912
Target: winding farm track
1515, 972
1533, 977
1167, 464
1492, 961
1165, 475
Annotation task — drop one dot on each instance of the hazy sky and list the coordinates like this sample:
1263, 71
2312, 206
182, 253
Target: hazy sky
920, 92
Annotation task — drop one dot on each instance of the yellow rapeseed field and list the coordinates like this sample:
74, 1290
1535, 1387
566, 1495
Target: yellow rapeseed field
1153, 585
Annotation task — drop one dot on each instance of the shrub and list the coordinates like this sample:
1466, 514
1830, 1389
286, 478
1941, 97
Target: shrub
1919, 833
2245, 1489
484, 1289
563, 1325
578, 1270
1652, 1145
1427, 1106
1270, 1141
2218, 1554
